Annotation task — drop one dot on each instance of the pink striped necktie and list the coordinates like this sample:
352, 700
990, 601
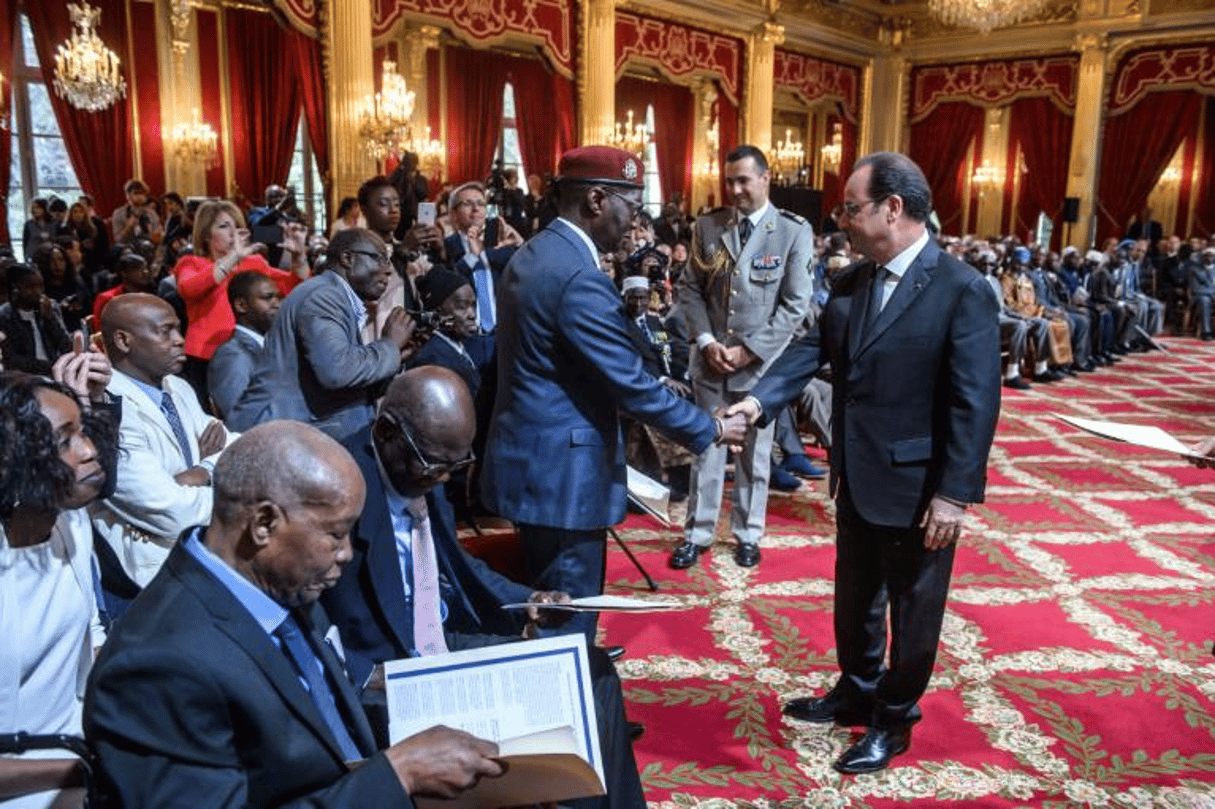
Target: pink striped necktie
427, 617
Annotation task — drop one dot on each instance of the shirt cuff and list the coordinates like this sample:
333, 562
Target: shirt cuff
704, 339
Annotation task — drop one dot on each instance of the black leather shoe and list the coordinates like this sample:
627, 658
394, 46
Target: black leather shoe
636, 730
830, 707
613, 653
874, 751
746, 554
685, 555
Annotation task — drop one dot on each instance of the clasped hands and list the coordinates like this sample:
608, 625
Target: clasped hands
725, 360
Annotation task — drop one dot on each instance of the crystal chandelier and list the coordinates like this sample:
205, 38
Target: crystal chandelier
984, 14
430, 153
788, 155
87, 73
196, 142
833, 152
987, 178
630, 137
385, 127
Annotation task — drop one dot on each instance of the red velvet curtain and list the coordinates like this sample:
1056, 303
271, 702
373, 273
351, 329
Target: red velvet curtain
833, 184
673, 127
265, 100
474, 112
544, 114
1138, 145
99, 144
727, 131
1044, 134
8, 22
305, 55
1204, 207
939, 144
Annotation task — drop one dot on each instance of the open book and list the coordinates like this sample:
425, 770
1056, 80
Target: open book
533, 698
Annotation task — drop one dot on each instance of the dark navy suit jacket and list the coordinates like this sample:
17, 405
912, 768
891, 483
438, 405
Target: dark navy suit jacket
191, 704
915, 397
566, 364
368, 604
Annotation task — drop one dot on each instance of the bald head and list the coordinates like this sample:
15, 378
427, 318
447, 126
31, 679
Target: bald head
143, 337
286, 499
284, 462
431, 406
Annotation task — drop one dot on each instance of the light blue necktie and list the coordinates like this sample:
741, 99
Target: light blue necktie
485, 298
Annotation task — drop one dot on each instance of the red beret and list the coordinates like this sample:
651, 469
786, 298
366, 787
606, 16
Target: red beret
602, 164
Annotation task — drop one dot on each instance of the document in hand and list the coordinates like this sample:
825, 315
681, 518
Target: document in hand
604, 604
533, 698
1148, 436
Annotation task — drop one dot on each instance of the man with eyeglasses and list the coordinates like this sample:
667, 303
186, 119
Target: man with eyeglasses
914, 345
480, 248
744, 295
315, 366
411, 590
566, 368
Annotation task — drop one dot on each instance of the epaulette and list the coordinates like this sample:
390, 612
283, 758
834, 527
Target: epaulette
790, 215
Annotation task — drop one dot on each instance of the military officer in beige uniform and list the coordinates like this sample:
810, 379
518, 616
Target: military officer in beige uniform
746, 290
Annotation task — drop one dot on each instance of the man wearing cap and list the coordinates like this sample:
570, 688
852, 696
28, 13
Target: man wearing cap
746, 291
554, 457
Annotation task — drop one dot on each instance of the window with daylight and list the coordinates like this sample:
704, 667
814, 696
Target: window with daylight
305, 179
40, 165
508, 142
652, 196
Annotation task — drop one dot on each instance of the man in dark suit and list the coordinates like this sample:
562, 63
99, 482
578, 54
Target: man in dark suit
254, 298
315, 367
912, 337
424, 433
554, 459
216, 689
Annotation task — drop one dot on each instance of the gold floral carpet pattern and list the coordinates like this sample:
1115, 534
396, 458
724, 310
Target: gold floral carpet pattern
1075, 666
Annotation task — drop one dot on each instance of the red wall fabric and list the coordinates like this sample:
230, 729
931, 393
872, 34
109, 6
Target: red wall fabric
209, 64
474, 112
1136, 150
1204, 207
147, 88
99, 144
939, 144
265, 101
1044, 134
673, 116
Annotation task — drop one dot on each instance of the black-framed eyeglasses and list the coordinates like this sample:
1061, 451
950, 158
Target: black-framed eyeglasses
376, 254
853, 209
634, 207
430, 469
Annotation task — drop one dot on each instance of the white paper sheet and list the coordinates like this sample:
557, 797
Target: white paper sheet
1138, 434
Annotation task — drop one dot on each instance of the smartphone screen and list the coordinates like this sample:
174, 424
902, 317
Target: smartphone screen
426, 213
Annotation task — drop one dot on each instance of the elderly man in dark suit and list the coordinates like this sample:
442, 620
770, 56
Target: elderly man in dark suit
912, 337
424, 433
315, 367
216, 688
555, 459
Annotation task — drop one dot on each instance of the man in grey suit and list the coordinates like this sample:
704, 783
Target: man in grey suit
914, 346
315, 367
746, 290
254, 298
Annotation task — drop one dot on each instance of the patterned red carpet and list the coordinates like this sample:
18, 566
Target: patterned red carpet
1075, 667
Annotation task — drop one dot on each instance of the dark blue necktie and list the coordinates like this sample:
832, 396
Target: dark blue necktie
875, 296
170, 410
744, 231
310, 667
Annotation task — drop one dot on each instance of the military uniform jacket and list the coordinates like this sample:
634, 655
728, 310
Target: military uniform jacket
757, 294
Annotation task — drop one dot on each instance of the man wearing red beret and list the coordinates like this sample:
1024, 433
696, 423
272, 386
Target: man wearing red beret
554, 459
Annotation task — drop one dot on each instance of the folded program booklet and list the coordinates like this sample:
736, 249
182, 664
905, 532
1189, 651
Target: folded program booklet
532, 698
